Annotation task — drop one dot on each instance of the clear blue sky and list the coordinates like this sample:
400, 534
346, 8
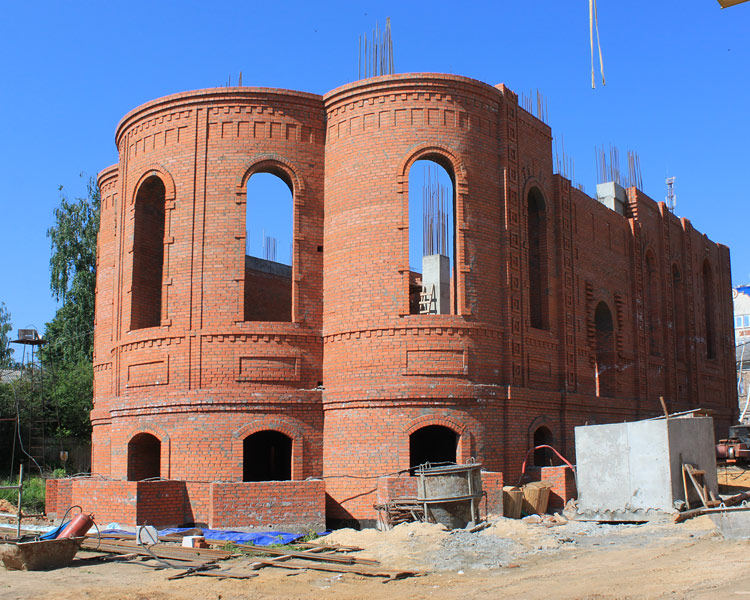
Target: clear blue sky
677, 91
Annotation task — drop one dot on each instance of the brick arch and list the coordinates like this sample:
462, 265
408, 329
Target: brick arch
159, 433
290, 428
541, 421
156, 170
451, 161
529, 184
276, 165
444, 154
463, 451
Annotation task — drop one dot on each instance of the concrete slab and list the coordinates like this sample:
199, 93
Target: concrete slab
633, 471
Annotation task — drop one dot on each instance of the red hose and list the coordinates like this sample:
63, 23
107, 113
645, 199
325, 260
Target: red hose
560, 456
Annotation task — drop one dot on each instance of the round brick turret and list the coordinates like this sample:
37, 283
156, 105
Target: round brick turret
389, 372
175, 355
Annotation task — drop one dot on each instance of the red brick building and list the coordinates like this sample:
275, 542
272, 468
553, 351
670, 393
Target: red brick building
213, 366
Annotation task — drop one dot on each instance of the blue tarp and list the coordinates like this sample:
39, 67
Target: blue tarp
261, 538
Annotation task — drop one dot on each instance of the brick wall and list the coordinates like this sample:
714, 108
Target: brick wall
349, 374
298, 505
563, 483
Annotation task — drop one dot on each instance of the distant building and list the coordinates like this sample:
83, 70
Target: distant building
741, 298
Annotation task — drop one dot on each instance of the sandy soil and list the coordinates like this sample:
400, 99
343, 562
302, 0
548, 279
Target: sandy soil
510, 559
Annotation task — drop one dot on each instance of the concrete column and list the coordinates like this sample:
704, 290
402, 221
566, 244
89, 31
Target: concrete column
436, 284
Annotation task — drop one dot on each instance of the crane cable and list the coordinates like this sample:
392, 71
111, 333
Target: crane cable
594, 22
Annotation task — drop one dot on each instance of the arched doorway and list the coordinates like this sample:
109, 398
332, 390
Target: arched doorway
267, 456
433, 444
144, 457
542, 456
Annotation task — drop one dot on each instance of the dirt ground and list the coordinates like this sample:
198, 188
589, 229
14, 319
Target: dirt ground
510, 559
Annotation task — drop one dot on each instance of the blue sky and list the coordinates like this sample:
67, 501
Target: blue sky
677, 91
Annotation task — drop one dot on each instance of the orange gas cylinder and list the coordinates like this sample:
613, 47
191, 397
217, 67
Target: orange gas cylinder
78, 527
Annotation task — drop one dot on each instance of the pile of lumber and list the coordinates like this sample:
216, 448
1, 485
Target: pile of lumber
246, 558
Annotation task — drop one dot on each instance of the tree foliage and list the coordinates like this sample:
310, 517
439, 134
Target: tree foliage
67, 357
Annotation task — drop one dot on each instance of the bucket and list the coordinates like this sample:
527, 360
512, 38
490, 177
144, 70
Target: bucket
512, 501
451, 494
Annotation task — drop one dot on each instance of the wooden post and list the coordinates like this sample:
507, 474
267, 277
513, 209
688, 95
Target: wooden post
20, 492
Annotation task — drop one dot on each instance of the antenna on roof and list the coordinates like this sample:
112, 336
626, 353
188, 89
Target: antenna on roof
671, 196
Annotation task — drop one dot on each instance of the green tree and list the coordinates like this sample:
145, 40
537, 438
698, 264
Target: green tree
73, 274
6, 353
67, 357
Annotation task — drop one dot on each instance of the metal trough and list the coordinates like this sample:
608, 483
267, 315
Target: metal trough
38, 555
450, 494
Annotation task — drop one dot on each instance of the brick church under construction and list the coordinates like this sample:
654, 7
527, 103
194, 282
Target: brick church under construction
234, 391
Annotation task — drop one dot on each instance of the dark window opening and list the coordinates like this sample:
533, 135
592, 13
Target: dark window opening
680, 319
432, 244
144, 457
605, 351
148, 255
543, 457
267, 456
652, 304
538, 252
269, 250
708, 307
433, 444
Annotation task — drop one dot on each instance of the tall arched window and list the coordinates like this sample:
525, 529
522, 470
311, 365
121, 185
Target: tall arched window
538, 252
432, 249
605, 351
433, 444
652, 304
708, 308
269, 251
267, 456
680, 317
148, 255
144, 457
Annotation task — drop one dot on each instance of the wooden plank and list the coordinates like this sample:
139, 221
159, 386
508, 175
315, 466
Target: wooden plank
347, 560
363, 570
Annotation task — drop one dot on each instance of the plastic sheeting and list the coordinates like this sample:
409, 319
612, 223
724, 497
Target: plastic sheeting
261, 538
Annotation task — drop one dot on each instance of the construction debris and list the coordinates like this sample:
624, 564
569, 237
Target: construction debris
203, 561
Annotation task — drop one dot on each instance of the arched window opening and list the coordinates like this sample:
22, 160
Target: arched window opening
605, 351
433, 444
538, 253
267, 456
148, 255
144, 457
269, 250
432, 243
708, 307
680, 319
652, 304
543, 456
